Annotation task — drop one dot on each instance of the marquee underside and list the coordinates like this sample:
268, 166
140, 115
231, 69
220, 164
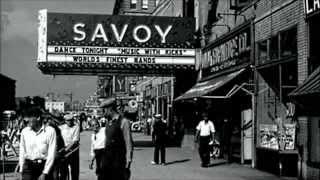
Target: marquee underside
64, 68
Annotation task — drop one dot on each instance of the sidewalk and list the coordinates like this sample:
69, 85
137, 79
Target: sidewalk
182, 164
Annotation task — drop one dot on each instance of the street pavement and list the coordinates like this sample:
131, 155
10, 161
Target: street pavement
182, 164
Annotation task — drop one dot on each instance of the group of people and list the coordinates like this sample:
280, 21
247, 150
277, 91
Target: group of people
205, 136
48, 150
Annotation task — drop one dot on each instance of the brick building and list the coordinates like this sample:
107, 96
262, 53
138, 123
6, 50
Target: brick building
254, 53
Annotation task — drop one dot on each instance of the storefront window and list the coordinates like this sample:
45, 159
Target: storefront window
288, 40
289, 75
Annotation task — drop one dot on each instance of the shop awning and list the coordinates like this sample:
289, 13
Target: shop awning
311, 86
205, 87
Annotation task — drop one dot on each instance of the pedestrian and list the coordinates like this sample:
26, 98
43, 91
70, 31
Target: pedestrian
70, 132
118, 146
82, 118
159, 138
204, 134
98, 140
37, 147
58, 172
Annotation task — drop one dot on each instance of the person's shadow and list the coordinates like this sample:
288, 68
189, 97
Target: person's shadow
178, 161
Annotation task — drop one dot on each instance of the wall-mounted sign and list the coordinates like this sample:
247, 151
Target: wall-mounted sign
80, 42
312, 7
227, 51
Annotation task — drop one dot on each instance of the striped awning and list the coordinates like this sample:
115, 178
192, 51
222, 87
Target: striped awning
203, 88
310, 87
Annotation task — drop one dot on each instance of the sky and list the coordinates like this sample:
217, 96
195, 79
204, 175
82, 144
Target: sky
19, 23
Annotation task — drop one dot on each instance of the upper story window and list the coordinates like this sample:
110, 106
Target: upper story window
157, 2
262, 48
288, 40
144, 4
274, 47
133, 4
281, 45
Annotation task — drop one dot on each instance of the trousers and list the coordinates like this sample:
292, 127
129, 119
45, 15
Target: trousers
99, 155
73, 162
204, 150
32, 169
114, 162
159, 147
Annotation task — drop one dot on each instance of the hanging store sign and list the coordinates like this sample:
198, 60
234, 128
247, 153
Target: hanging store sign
312, 7
228, 51
86, 42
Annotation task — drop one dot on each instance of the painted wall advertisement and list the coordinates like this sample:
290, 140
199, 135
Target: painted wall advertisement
119, 41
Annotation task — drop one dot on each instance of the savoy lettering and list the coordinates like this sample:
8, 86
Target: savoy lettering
100, 33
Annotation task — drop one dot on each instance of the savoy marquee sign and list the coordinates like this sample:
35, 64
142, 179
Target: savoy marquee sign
106, 44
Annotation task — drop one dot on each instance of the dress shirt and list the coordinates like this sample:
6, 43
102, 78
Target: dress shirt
98, 140
205, 128
70, 134
38, 145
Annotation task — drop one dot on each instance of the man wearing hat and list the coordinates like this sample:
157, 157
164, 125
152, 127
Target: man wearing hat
37, 146
70, 132
118, 146
159, 135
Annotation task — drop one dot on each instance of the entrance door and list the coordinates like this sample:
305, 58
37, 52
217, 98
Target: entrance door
246, 123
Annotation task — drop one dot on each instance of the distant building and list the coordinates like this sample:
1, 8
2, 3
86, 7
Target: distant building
8, 89
55, 106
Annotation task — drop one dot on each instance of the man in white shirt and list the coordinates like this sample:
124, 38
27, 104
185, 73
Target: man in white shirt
37, 147
205, 133
70, 132
98, 140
